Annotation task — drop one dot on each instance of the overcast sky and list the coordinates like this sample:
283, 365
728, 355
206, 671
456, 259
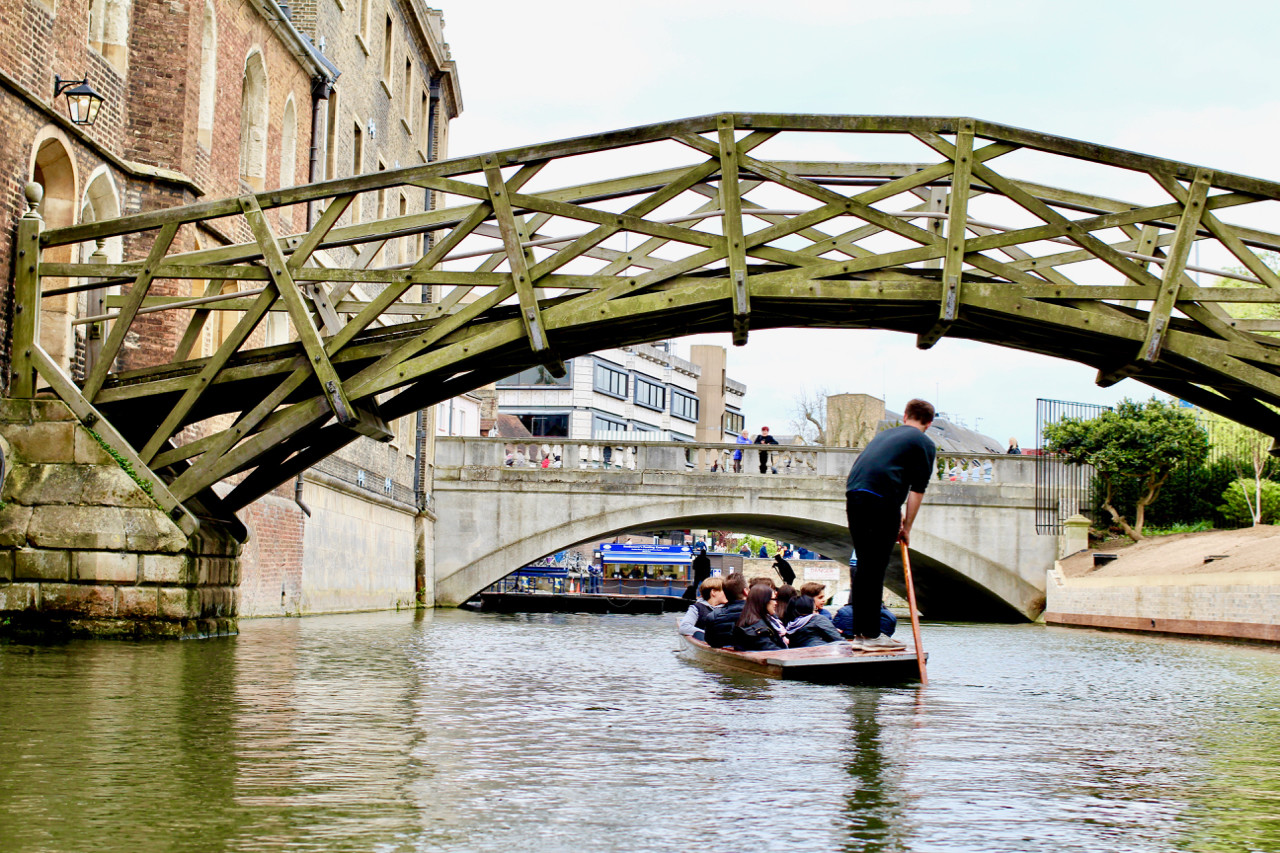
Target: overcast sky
1192, 81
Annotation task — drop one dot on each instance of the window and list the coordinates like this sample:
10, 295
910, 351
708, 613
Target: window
253, 122
535, 376
546, 425
404, 251
611, 381
684, 406
387, 44
406, 92
646, 428
734, 422
602, 427
357, 167
651, 395
208, 76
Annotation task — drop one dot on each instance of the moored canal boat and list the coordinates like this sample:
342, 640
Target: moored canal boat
836, 663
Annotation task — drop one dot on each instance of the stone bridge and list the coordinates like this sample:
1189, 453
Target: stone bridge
975, 552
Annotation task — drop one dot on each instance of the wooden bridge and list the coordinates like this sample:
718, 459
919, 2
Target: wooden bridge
727, 223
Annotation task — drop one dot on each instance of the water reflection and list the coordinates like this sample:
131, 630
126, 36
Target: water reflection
457, 731
875, 819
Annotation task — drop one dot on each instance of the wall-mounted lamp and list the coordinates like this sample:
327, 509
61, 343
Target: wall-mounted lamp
373, 129
82, 102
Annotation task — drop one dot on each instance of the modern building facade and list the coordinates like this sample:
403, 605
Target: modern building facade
643, 392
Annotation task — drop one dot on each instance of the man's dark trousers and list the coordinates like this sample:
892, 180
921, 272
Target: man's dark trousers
873, 524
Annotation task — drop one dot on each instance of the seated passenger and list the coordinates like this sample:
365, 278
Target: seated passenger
718, 624
755, 631
843, 620
782, 600
818, 592
712, 592
810, 628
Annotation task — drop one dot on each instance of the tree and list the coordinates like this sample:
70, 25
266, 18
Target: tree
1263, 508
809, 415
1135, 441
1248, 451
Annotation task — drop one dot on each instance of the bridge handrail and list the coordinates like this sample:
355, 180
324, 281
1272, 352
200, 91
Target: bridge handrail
709, 458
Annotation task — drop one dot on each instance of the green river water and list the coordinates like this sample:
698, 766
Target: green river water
471, 732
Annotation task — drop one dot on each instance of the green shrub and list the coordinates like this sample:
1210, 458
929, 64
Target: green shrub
1236, 508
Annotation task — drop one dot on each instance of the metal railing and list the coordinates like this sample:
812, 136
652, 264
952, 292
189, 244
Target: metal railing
1062, 489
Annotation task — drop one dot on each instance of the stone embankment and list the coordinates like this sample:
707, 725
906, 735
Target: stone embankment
85, 551
1219, 584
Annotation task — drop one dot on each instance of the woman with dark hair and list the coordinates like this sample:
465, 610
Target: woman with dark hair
755, 631
786, 594
805, 627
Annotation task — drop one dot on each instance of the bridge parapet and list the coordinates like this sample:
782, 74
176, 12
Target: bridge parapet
612, 455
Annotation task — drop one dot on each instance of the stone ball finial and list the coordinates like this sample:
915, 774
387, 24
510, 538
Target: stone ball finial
35, 194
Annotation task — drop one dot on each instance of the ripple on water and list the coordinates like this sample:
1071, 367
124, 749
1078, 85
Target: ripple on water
460, 731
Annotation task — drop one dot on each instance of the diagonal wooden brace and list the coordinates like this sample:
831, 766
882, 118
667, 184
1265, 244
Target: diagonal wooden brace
297, 306
731, 204
1162, 309
957, 223
530, 313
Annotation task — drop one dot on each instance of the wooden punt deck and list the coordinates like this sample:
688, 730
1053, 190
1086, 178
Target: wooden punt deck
837, 663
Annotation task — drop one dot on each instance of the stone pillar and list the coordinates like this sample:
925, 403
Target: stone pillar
85, 551
1074, 537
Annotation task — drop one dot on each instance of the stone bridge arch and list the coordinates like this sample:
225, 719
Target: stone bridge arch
975, 552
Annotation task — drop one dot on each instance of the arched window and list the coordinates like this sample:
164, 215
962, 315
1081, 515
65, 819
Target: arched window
109, 30
101, 201
253, 122
53, 168
289, 145
208, 76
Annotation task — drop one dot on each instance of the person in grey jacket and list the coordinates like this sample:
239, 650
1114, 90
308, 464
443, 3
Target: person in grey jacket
809, 628
711, 592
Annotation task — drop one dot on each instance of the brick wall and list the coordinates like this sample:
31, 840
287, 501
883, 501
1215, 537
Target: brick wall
271, 562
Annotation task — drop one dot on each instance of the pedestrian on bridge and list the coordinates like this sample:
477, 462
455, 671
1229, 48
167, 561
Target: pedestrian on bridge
762, 439
897, 465
743, 438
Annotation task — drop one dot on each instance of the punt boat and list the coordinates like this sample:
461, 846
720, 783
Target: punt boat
836, 663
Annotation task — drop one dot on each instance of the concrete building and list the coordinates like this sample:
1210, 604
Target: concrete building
642, 392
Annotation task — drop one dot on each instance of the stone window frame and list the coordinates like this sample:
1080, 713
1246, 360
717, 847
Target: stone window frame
108, 32
253, 155
406, 90
364, 9
208, 77
388, 53
357, 168
424, 123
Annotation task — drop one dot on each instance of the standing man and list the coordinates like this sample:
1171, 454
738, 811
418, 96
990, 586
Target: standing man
765, 438
897, 465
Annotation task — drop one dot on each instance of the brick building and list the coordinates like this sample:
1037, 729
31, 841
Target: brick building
212, 99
